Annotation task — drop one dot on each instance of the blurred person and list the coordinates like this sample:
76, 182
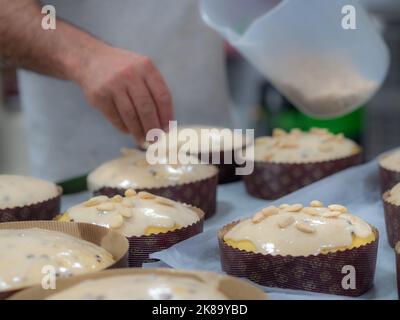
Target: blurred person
136, 63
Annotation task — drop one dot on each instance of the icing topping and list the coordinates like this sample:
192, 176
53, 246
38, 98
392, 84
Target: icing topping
142, 287
19, 191
25, 252
300, 231
133, 171
135, 214
394, 195
202, 139
391, 161
298, 146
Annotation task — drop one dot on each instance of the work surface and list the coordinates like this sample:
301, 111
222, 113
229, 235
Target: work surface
357, 188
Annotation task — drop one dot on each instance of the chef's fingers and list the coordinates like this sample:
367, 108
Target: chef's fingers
161, 95
145, 106
109, 109
128, 114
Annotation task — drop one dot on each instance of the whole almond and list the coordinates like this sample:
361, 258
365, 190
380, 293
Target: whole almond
305, 227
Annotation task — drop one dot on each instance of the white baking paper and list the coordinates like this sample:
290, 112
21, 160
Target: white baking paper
357, 188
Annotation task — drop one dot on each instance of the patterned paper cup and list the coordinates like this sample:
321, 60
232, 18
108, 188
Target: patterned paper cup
227, 171
232, 288
45, 210
392, 220
398, 267
201, 194
109, 240
271, 180
325, 273
141, 247
388, 178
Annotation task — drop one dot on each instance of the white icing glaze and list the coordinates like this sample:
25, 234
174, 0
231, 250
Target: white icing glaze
298, 231
131, 216
25, 252
300, 147
133, 171
202, 139
19, 191
141, 287
394, 195
391, 161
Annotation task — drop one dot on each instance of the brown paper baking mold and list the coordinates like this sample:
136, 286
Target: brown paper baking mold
388, 179
398, 267
233, 288
317, 273
201, 194
109, 240
392, 220
226, 171
141, 247
45, 210
271, 181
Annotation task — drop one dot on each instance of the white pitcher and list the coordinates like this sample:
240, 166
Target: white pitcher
308, 49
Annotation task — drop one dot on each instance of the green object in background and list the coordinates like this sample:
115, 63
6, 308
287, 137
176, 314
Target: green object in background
351, 125
74, 185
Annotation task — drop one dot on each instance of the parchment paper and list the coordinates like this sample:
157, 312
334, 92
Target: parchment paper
357, 188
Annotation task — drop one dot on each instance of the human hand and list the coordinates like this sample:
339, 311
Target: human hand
128, 89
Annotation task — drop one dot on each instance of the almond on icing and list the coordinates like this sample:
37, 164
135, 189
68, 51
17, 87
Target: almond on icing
128, 171
135, 214
19, 191
309, 231
25, 252
394, 195
300, 147
203, 139
142, 287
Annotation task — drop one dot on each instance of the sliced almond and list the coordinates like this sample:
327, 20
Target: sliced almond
270, 211
116, 221
339, 137
278, 132
338, 207
106, 206
130, 193
165, 202
146, 196
95, 201
316, 204
258, 217
128, 203
296, 131
311, 211
262, 140
286, 221
284, 206
126, 212
294, 208
332, 214
320, 131
288, 143
117, 198
305, 227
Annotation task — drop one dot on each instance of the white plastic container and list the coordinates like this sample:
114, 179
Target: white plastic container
303, 49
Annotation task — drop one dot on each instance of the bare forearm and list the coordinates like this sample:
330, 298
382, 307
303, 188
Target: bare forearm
24, 43
125, 86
